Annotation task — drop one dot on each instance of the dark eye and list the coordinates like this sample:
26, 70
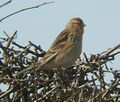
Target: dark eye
76, 23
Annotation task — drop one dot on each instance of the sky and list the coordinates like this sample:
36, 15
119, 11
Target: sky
43, 24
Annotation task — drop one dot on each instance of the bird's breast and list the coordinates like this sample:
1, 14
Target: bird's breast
69, 54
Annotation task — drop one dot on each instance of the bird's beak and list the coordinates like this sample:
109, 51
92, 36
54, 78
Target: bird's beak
84, 24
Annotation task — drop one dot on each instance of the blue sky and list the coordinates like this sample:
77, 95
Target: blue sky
42, 25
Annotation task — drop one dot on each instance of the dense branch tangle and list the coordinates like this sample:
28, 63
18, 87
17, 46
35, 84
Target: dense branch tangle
84, 82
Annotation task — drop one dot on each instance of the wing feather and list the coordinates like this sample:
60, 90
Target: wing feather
58, 43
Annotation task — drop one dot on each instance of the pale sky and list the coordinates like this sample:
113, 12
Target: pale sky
42, 25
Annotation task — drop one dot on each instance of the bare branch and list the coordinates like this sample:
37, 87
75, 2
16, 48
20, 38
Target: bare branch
83, 82
6, 3
25, 9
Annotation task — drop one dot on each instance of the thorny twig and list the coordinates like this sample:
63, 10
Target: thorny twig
84, 82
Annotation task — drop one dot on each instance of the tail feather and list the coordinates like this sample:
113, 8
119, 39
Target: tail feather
38, 65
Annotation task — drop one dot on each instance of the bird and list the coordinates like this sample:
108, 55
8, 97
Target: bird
65, 49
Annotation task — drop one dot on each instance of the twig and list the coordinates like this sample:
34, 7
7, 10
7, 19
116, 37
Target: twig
39, 66
110, 99
37, 47
78, 90
6, 3
110, 88
25, 9
87, 59
109, 51
6, 93
30, 51
56, 87
10, 39
10, 80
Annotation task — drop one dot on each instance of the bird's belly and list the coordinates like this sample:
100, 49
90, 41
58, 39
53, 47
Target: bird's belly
68, 56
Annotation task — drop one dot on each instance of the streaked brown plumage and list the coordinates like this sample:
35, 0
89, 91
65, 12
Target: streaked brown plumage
67, 46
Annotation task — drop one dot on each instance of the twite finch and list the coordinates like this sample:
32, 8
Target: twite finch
66, 48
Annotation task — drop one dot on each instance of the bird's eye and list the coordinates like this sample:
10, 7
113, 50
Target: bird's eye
76, 23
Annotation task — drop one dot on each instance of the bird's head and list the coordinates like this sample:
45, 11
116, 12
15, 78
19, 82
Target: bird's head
75, 24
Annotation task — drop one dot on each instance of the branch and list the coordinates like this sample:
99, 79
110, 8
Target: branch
48, 93
10, 39
6, 93
110, 51
25, 9
39, 66
5, 3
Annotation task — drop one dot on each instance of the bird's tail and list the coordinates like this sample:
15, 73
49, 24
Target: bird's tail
30, 68
38, 65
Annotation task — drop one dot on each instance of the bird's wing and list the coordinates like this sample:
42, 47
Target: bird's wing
58, 43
